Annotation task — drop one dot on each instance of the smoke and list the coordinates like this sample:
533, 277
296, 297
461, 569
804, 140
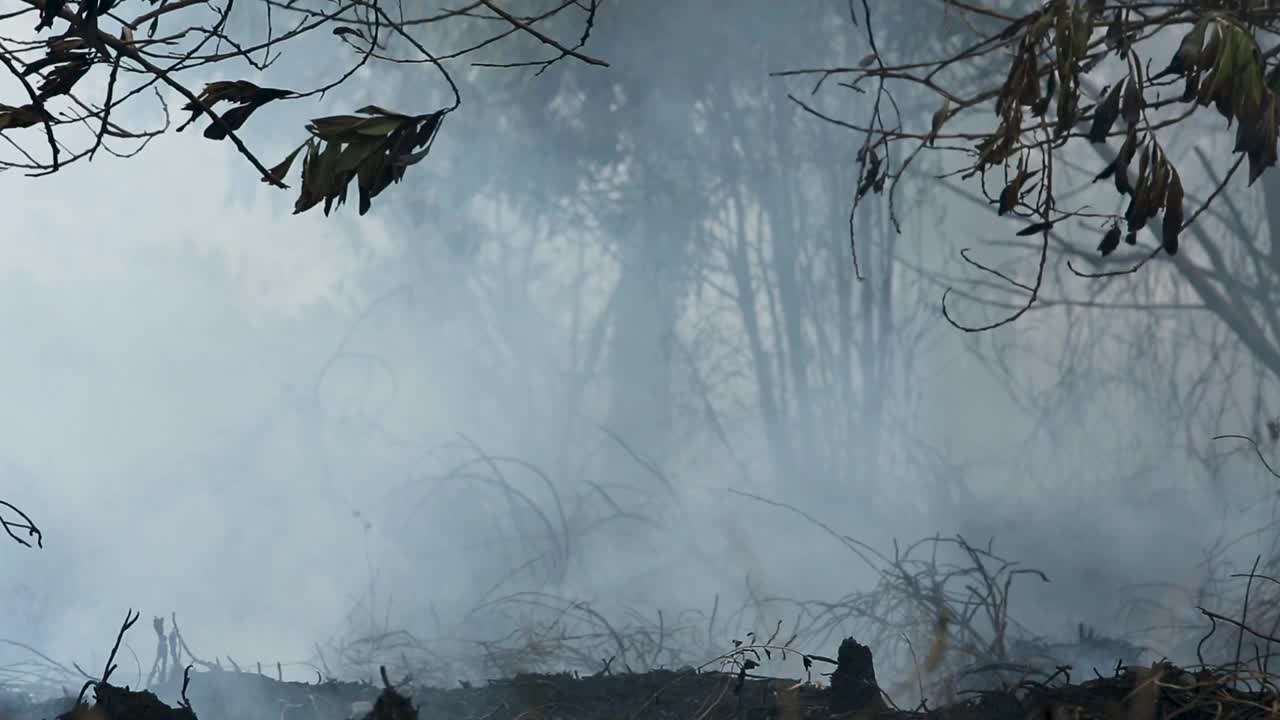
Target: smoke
297, 432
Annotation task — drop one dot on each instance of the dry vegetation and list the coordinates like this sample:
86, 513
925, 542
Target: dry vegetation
939, 619
942, 603
1049, 100
728, 686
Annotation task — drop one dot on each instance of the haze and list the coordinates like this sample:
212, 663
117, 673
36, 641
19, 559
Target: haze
629, 278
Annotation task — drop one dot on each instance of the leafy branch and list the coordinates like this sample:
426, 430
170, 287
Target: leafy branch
87, 59
1046, 103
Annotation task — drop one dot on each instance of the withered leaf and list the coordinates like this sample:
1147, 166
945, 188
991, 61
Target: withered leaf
1131, 105
1272, 78
1211, 58
939, 118
1105, 114
1262, 152
1011, 193
237, 92
317, 178
54, 57
1171, 226
233, 119
374, 151
1110, 240
66, 42
51, 11
1030, 82
1250, 85
22, 117
1115, 38
1225, 66
281, 171
375, 110
1191, 88
1187, 59
1035, 228
64, 76
350, 128
1068, 110
1123, 158
1008, 197
1140, 199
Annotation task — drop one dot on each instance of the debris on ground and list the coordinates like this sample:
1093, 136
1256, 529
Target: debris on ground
1160, 690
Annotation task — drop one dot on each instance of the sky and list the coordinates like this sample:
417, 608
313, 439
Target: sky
180, 421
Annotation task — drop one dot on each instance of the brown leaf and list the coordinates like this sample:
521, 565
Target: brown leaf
1191, 88
350, 128
233, 119
939, 119
1068, 109
280, 171
1105, 114
309, 195
1132, 104
379, 126
63, 77
1030, 82
1115, 38
1123, 158
22, 117
373, 151
51, 11
1035, 229
1013, 191
1171, 225
55, 57
1188, 57
1263, 154
66, 42
238, 92
1211, 58
375, 110
1110, 240
357, 153
1008, 197
1140, 198
1009, 89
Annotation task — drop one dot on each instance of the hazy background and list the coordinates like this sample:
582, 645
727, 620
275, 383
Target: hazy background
635, 279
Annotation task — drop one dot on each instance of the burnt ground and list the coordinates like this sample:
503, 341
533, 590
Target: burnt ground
657, 694
1160, 691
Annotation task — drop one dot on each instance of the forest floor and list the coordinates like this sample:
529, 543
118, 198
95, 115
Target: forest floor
1156, 692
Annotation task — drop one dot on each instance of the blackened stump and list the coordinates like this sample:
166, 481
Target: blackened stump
853, 684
